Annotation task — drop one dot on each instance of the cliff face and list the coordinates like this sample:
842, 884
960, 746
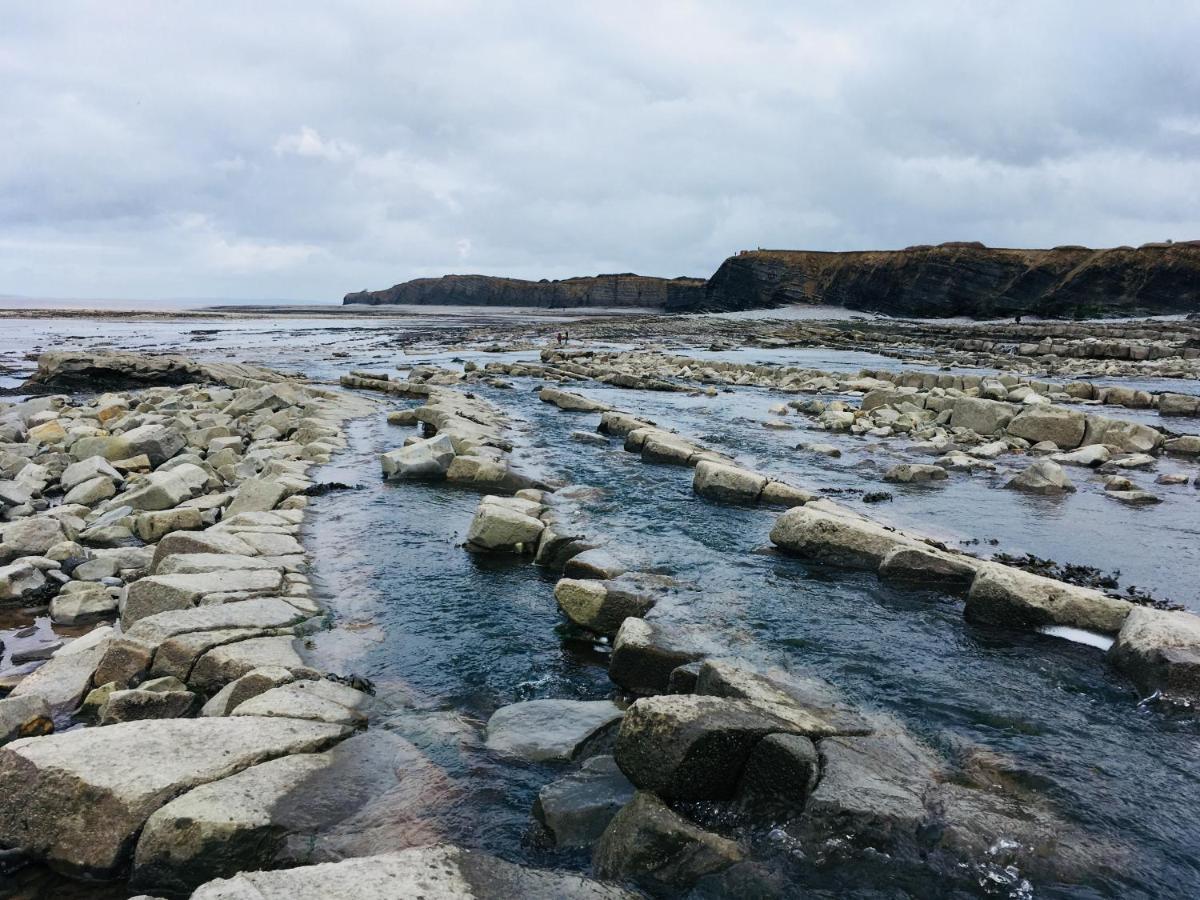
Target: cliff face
624, 290
967, 280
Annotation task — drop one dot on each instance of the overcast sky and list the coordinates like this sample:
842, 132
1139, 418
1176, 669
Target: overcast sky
305, 149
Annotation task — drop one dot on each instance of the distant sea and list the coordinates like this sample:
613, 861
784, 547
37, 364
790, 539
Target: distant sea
165, 304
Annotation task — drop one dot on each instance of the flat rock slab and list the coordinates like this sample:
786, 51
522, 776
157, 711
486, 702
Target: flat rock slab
319, 700
252, 819
64, 678
541, 730
79, 798
432, 873
223, 664
261, 612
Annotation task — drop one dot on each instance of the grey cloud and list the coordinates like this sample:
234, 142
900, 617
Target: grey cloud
306, 149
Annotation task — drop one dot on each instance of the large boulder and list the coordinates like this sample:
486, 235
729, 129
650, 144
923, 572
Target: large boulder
914, 473
831, 534
63, 679
20, 581
1131, 437
424, 459
441, 872
692, 747
257, 495
1003, 595
1044, 422
1042, 477
158, 442
727, 484
984, 417
501, 526
78, 799
928, 565
540, 730
648, 842
645, 654
156, 491
571, 402
1160, 650
30, 537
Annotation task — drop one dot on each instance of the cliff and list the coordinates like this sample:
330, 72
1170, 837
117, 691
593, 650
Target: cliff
623, 290
961, 279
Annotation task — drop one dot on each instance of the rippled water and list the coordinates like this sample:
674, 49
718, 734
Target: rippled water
448, 636
459, 635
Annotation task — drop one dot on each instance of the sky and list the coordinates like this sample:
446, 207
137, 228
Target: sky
302, 150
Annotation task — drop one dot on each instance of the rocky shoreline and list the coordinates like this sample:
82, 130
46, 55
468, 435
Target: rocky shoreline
178, 742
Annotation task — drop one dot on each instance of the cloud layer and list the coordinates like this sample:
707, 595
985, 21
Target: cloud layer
301, 150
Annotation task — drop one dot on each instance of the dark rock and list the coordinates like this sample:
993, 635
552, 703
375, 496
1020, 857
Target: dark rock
577, 808
648, 842
780, 774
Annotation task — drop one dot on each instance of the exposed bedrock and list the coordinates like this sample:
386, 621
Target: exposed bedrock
967, 279
620, 290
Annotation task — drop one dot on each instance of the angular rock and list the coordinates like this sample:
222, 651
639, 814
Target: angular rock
911, 473
1160, 651
22, 717
578, 807
138, 704
644, 655
226, 663
208, 541
64, 679
316, 699
1042, 477
984, 417
1002, 595
927, 565
541, 730
833, 535
727, 484
91, 492
20, 581
499, 527
248, 686
78, 799
780, 775
1065, 427
160, 593
441, 872
599, 605
90, 603
257, 494
425, 459
648, 842
30, 537
692, 747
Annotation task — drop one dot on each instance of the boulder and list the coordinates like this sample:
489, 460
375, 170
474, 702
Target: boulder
778, 493
316, 699
30, 537
424, 459
79, 799
595, 562
600, 605
928, 565
909, 473
497, 526
1160, 651
780, 774
89, 603
1042, 477
228, 662
158, 442
158, 490
831, 534
541, 730
20, 581
22, 717
1134, 497
693, 747
1065, 427
727, 484
577, 808
645, 654
984, 417
257, 495
91, 492
1092, 455
872, 790
648, 842
248, 686
160, 593
441, 872
134, 705
152, 526
571, 402
209, 541
63, 680
1002, 595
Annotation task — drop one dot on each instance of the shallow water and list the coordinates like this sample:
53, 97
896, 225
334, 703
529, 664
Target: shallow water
460, 636
448, 637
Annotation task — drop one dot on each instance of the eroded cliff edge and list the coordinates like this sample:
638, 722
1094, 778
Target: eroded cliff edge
968, 279
600, 291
